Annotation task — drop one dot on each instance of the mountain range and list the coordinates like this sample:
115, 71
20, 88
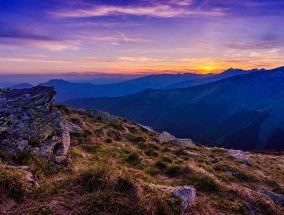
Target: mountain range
226, 74
69, 90
240, 112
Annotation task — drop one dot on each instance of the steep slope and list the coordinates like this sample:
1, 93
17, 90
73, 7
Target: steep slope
197, 112
119, 167
67, 90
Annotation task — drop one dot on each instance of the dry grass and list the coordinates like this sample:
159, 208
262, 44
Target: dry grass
112, 162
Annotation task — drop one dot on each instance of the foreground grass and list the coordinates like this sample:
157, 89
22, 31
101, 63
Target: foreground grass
112, 163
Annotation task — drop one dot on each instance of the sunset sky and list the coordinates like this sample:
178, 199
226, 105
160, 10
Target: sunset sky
140, 36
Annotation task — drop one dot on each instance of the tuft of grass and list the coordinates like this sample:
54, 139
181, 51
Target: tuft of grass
133, 158
90, 148
151, 153
135, 138
201, 182
40, 210
94, 178
13, 184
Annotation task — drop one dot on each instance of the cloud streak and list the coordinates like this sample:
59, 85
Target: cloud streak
161, 11
11, 32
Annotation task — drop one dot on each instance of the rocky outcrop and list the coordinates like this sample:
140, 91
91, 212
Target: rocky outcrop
239, 155
187, 194
167, 137
277, 198
30, 123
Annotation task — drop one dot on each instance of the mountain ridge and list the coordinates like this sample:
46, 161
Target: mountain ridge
200, 107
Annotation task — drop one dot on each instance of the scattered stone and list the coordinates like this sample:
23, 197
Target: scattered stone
239, 155
187, 194
167, 137
29, 123
277, 198
229, 173
28, 174
213, 159
191, 154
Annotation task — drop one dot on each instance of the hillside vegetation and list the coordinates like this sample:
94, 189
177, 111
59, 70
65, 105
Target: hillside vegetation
113, 164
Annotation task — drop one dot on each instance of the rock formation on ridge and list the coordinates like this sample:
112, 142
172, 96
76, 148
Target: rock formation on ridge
29, 123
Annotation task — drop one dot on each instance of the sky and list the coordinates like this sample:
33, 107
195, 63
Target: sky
139, 36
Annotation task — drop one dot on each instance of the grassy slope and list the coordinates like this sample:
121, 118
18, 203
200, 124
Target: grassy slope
112, 162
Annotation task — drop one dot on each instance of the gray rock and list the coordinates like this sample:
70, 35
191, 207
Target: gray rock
191, 154
72, 128
187, 194
213, 159
277, 198
239, 155
184, 143
167, 137
229, 173
61, 160
30, 123
147, 129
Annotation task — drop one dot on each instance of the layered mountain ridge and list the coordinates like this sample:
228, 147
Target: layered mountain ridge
243, 111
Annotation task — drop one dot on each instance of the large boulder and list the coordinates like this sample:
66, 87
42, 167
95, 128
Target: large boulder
30, 123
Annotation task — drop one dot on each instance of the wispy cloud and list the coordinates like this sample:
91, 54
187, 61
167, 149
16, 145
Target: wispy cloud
12, 32
116, 38
161, 11
35, 60
181, 2
257, 45
140, 59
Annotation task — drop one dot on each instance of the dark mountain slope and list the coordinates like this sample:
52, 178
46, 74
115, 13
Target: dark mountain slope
240, 106
67, 90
